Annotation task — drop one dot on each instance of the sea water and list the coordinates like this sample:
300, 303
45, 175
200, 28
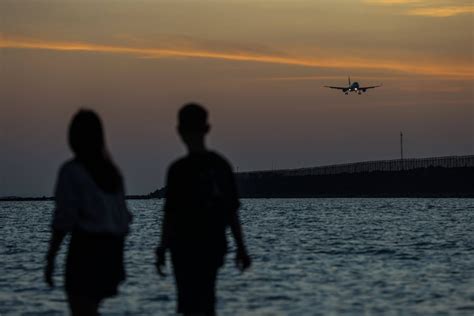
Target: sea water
310, 257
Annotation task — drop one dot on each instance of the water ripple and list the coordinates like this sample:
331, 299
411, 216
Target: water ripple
311, 257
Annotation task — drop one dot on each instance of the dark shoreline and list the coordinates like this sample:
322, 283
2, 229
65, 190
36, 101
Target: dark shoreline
434, 182
26, 199
50, 198
449, 177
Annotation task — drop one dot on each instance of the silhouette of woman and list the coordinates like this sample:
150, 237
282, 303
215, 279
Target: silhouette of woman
90, 206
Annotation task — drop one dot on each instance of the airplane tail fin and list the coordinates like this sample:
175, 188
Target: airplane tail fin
349, 78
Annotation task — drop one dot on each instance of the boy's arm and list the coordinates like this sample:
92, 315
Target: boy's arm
165, 227
242, 259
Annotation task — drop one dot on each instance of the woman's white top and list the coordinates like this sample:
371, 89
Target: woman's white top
81, 205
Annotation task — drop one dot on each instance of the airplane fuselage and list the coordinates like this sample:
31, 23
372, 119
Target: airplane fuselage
353, 87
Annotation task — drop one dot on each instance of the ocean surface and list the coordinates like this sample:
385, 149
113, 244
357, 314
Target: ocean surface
310, 257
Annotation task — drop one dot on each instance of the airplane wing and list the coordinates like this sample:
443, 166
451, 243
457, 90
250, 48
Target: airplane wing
371, 87
339, 88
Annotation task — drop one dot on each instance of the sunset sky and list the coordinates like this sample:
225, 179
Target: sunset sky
258, 66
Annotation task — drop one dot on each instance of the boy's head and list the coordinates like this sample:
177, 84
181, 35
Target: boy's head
192, 122
192, 117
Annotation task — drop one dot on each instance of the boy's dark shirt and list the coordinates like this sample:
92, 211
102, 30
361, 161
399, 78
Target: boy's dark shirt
200, 197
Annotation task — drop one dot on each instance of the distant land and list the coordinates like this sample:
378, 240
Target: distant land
50, 198
451, 176
436, 177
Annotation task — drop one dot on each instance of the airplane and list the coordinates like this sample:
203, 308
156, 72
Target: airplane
353, 87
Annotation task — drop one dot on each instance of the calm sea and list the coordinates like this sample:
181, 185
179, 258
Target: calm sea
311, 257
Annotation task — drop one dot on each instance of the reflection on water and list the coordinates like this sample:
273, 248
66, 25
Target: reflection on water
311, 256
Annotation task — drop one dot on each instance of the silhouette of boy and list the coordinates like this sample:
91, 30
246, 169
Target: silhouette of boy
201, 202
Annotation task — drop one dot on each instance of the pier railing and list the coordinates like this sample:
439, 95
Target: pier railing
370, 166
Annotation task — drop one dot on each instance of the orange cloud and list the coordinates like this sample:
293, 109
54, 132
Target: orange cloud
318, 78
301, 78
426, 7
338, 63
441, 11
393, 1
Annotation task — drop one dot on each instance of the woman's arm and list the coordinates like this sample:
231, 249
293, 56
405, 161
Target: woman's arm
57, 237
